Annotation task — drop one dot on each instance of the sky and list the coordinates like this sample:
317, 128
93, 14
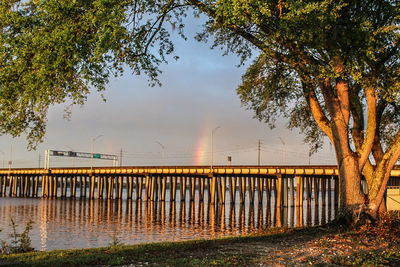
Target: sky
198, 94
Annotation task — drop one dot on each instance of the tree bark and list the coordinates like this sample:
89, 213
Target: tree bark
351, 198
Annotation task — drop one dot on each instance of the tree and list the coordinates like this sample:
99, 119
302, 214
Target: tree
330, 66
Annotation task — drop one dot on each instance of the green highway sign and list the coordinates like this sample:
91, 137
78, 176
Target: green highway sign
96, 156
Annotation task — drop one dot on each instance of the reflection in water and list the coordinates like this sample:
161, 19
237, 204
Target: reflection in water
80, 223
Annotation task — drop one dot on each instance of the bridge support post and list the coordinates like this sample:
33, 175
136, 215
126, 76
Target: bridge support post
139, 193
219, 189
212, 189
336, 193
120, 184
329, 185
192, 188
163, 187
316, 199
259, 191
45, 183
92, 186
173, 190
323, 191
129, 187
74, 178
285, 192
308, 190
232, 189
183, 188
251, 188
292, 190
55, 178
223, 189
50, 185
151, 188
299, 200
201, 188
242, 187
278, 190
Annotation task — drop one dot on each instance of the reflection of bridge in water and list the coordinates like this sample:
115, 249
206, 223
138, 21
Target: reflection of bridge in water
289, 194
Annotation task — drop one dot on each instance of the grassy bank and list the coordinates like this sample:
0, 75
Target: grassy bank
367, 245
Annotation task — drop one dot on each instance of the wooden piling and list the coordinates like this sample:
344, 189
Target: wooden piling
152, 187
329, 185
92, 186
183, 188
336, 193
285, 192
223, 189
129, 187
201, 189
292, 190
232, 189
219, 189
242, 189
120, 185
163, 187
213, 186
26, 186
55, 186
278, 190
259, 190
147, 187
174, 187
251, 189
299, 191
139, 192
73, 193
192, 188
299, 201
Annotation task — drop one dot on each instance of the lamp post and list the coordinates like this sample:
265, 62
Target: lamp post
284, 150
162, 153
212, 146
91, 158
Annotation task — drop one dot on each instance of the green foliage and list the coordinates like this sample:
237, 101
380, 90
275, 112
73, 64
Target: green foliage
299, 45
20, 243
56, 51
115, 241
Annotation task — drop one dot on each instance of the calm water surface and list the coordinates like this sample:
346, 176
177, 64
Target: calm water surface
82, 223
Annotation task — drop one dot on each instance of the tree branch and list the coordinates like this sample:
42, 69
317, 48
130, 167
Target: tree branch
317, 112
366, 147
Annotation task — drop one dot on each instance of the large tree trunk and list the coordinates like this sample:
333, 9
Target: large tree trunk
351, 198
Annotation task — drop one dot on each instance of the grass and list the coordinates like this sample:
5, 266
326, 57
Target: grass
185, 253
366, 245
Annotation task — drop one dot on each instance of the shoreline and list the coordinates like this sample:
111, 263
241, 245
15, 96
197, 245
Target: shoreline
317, 245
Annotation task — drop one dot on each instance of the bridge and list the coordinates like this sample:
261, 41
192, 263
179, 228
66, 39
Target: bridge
285, 185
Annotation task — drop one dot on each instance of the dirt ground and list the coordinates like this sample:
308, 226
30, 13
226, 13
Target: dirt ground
367, 245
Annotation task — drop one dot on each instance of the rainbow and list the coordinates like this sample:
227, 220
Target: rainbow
202, 148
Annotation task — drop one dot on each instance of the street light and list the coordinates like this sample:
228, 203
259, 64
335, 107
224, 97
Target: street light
284, 150
91, 158
212, 145
163, 152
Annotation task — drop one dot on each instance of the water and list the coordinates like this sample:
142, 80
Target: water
83, 223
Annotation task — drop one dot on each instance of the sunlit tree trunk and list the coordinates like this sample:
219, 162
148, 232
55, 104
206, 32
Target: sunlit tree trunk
351, 196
